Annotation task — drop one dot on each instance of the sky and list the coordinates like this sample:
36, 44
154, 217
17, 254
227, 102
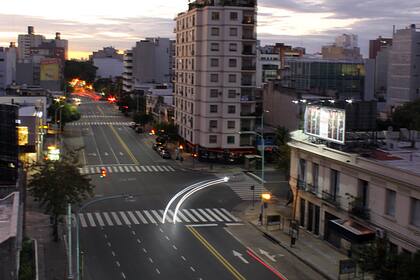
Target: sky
92, 24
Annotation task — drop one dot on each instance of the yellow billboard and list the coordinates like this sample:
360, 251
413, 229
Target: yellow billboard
23, 134
50, 69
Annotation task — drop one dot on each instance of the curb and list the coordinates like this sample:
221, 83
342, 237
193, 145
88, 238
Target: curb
314, 267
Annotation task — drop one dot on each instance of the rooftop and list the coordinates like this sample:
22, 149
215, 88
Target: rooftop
232, 3
392, 157
9, 210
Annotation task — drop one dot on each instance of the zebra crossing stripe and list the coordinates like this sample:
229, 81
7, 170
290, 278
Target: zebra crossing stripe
115, 168
149, 216
99, 218
169, 216
170, 168
183, 217
132, 168
159, 218
143, 168
154, 168
82, 220
213, 215
137, 168
120, 168
108, 219
149, 169
90, 218
109, 169
198, 215
172, 214
133, 218
165, 168
160, 168
126, 220
126, 168
230, 215
190, 215
117, 220
98, 170
210, 218
221, 214
142, 218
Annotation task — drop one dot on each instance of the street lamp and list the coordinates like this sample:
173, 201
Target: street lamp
55, 118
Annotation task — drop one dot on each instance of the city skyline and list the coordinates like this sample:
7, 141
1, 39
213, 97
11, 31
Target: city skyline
91, 26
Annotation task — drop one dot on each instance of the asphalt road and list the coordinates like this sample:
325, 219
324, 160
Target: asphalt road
124, 238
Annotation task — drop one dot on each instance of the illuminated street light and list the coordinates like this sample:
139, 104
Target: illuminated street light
266, 196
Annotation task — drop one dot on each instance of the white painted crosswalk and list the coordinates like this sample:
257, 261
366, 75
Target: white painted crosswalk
98, 123
99, 116
137, 217
245, 192
127, 169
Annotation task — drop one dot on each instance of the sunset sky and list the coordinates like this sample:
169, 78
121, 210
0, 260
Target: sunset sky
91, 25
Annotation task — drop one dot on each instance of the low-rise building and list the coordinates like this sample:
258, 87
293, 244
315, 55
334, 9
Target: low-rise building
348, 195
109, 63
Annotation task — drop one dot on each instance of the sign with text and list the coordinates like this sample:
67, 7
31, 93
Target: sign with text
325, 123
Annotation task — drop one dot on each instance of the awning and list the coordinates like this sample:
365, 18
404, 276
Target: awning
352, 230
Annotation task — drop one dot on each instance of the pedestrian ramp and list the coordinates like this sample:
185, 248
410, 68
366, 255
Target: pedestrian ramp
98, 123
137, 217
118, 168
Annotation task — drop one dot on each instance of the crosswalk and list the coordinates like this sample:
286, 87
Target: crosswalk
137, 217
99, 116
98, 123
245, 192
129, 168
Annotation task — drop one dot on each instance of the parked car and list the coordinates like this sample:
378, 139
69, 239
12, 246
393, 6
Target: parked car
159, 149
132, 125
139, 129
156, 146
165, 154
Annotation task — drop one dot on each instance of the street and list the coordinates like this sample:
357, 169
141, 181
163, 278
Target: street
124, 238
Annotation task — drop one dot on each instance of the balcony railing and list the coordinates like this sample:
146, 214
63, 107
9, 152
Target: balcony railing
359, 210
331, 198
248, 83
249, 67
248, 36
248, 20
245, 98
248, 114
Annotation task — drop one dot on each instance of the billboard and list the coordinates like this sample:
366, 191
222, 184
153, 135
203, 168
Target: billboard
50, 69
325, 123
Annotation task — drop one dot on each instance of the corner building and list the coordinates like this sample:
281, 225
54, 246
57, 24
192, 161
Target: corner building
215, 77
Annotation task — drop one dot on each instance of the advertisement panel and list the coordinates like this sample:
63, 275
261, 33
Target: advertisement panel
325, 123
50, 69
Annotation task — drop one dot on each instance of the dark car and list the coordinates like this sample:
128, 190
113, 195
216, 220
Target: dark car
156, 146
138, 129
165, 154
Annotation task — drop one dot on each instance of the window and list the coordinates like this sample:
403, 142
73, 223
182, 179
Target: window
214, 62
232, 78
231, 124
214, 78
215, 31
315, 175
232, 93
233, 16
213, 124
214, 93
212, 139
231, 139
334, 183
302, 172
390, 202
415, 212
363, 192
233, 32
232, 62
215, 16
233, 47
214, 47
231, 109
213, 108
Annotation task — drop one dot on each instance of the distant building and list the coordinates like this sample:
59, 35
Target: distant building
28, 41
268, 64
128, 80
404, 67
8, 57
348, 196
109, 63
375, 46
9, 161
339, 79
215, 78
344, 48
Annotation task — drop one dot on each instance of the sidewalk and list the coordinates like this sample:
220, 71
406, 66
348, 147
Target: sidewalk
315, 253
51, 255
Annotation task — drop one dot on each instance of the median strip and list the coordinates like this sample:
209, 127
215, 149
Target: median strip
124, 145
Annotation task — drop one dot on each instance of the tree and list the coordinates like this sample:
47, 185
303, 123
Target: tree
407, 116
54, 184
282, 153
168, 129
386, 264
84, 70
108, 86
69, 112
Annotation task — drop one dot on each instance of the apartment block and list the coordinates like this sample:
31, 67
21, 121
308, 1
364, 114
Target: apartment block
349, 197
8, 58
215, 77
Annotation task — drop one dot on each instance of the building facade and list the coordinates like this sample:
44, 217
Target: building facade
8, 58
109, 63
375, 46
215, 77
404, 67
348, 198
128, 82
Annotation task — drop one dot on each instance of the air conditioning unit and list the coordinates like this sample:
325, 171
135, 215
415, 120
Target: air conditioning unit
380, 233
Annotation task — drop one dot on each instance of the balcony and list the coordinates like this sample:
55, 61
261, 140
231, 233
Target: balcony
249, 36
247, 83
248, 19
249, 114
356, 208
249, 67
247, 98
331, 198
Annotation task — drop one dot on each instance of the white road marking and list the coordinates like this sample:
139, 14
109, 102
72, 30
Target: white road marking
183, 218
126, 168
133, 232
117, 220
143, 219
82, 220
230, 215
160, 168
132, 168
115, 168
172, 214
126, 220
221, 214
99, 218
123, 275
91, 220
113, 253
109, 169
161, 230
143, 168
206, 215
203, 225
165, 168
138, 241
192, 268
190, 215
149, 216
150, 259
183, 258
154, 168
108, 219
170, 168
117, 263
168, 216
148, 168
133, 218
167, 237
159, 218
144, 250
137, 168
175, 248
214, 215
198, 215
120, 168
157, 271
109, 244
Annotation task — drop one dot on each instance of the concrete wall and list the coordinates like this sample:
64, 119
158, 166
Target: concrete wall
108, 67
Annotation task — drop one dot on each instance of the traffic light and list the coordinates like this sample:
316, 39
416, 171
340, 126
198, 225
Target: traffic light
103, 172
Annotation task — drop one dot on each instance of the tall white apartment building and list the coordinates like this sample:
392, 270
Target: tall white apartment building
7, 66
28, 41
404, 67
215, 77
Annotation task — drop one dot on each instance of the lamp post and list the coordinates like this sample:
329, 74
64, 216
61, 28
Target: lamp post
78, 227
55, 117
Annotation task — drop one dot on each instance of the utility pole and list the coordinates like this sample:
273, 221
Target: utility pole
69, 247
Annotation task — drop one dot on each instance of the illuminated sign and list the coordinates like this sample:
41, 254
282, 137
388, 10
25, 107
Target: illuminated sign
23, 134
325, 123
